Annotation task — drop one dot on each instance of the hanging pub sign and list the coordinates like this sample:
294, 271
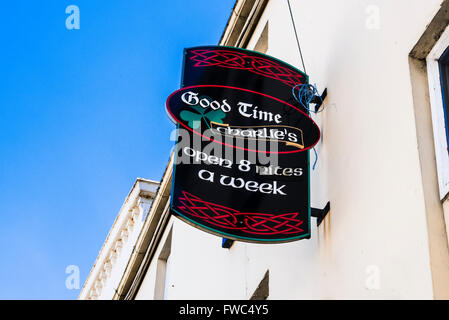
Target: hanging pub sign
241, 158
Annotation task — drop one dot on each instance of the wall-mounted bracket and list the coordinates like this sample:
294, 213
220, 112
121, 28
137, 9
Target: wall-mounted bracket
318, 100
320, 214
227, 243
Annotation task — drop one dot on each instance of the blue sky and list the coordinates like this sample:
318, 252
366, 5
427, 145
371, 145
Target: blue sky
81, 116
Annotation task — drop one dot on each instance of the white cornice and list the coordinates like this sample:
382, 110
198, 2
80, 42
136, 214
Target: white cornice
242, 22
149, 234
135, 207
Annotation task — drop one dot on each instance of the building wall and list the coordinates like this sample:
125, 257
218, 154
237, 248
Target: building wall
199, 268
374, 243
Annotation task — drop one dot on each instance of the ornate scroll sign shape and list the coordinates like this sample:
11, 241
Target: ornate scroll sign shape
239, 113
241, 160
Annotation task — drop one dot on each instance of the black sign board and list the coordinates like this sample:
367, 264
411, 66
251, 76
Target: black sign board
241, 160
240, 68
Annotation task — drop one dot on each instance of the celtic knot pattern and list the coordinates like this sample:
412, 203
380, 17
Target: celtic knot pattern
255, 64
228, 218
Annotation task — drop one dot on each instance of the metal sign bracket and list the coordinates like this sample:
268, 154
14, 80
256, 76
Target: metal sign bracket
320, 214
318, 100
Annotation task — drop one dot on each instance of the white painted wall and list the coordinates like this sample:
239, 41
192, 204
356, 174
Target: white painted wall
368, 168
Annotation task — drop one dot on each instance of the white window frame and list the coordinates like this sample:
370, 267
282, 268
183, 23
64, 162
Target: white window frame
437, 110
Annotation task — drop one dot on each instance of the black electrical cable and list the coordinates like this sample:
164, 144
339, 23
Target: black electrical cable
296, 34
